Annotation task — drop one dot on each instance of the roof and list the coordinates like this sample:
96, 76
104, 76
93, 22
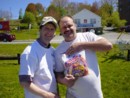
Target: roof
87, 11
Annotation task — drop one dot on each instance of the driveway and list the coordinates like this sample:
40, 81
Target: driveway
111, 36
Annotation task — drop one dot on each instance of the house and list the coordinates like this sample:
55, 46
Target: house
86, 20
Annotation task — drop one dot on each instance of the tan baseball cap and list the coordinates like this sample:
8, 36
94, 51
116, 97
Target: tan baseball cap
48, 19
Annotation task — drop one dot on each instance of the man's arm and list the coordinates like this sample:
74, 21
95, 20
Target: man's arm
99, 45
36, 90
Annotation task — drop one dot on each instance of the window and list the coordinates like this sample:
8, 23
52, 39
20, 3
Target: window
93, 21
85, 20
77, 21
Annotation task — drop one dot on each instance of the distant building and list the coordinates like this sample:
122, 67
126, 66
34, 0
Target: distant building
4, 26
124, 10
86, 20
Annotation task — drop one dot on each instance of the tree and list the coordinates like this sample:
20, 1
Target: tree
31, 8
40, 9
37, 10
116, 20
110, 17
113, 3
28, 18
53, 11
71, 8
40, 12
20, 14
105, 11
60, 3
95, 8
84, 6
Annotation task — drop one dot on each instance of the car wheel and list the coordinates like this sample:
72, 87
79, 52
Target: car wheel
5, 40
92, 30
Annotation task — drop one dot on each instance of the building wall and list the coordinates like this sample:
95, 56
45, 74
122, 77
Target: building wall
124, 10
86, 17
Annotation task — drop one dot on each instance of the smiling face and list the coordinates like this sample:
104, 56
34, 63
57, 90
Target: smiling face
47, 33
67, 28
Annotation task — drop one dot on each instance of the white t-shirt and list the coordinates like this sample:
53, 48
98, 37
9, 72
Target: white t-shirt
87, 86
38, 62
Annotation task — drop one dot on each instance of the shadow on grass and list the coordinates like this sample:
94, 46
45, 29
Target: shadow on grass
7, 63
111, 58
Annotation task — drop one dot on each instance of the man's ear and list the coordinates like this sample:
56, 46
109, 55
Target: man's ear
75, 24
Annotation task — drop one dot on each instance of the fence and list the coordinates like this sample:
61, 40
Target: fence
11, 58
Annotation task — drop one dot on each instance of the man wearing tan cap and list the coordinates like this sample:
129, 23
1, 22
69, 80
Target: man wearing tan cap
36, 73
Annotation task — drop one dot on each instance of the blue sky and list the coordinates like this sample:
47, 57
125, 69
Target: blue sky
15, 5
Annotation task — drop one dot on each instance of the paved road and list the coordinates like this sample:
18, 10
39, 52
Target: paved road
112, 36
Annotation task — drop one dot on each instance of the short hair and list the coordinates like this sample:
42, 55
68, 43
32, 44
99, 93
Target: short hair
63, 17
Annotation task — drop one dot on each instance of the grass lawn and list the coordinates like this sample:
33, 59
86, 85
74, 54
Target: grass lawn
28, 34
115, 74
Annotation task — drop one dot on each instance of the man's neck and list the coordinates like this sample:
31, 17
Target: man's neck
42, 43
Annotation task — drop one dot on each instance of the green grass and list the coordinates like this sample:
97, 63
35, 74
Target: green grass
9, 86
115, 74
11, 49
28, 34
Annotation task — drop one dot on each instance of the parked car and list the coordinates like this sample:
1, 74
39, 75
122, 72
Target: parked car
7, 37
125, 28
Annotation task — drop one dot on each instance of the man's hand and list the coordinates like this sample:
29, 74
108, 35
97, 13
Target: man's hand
69, 80
51, 95
74, 48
